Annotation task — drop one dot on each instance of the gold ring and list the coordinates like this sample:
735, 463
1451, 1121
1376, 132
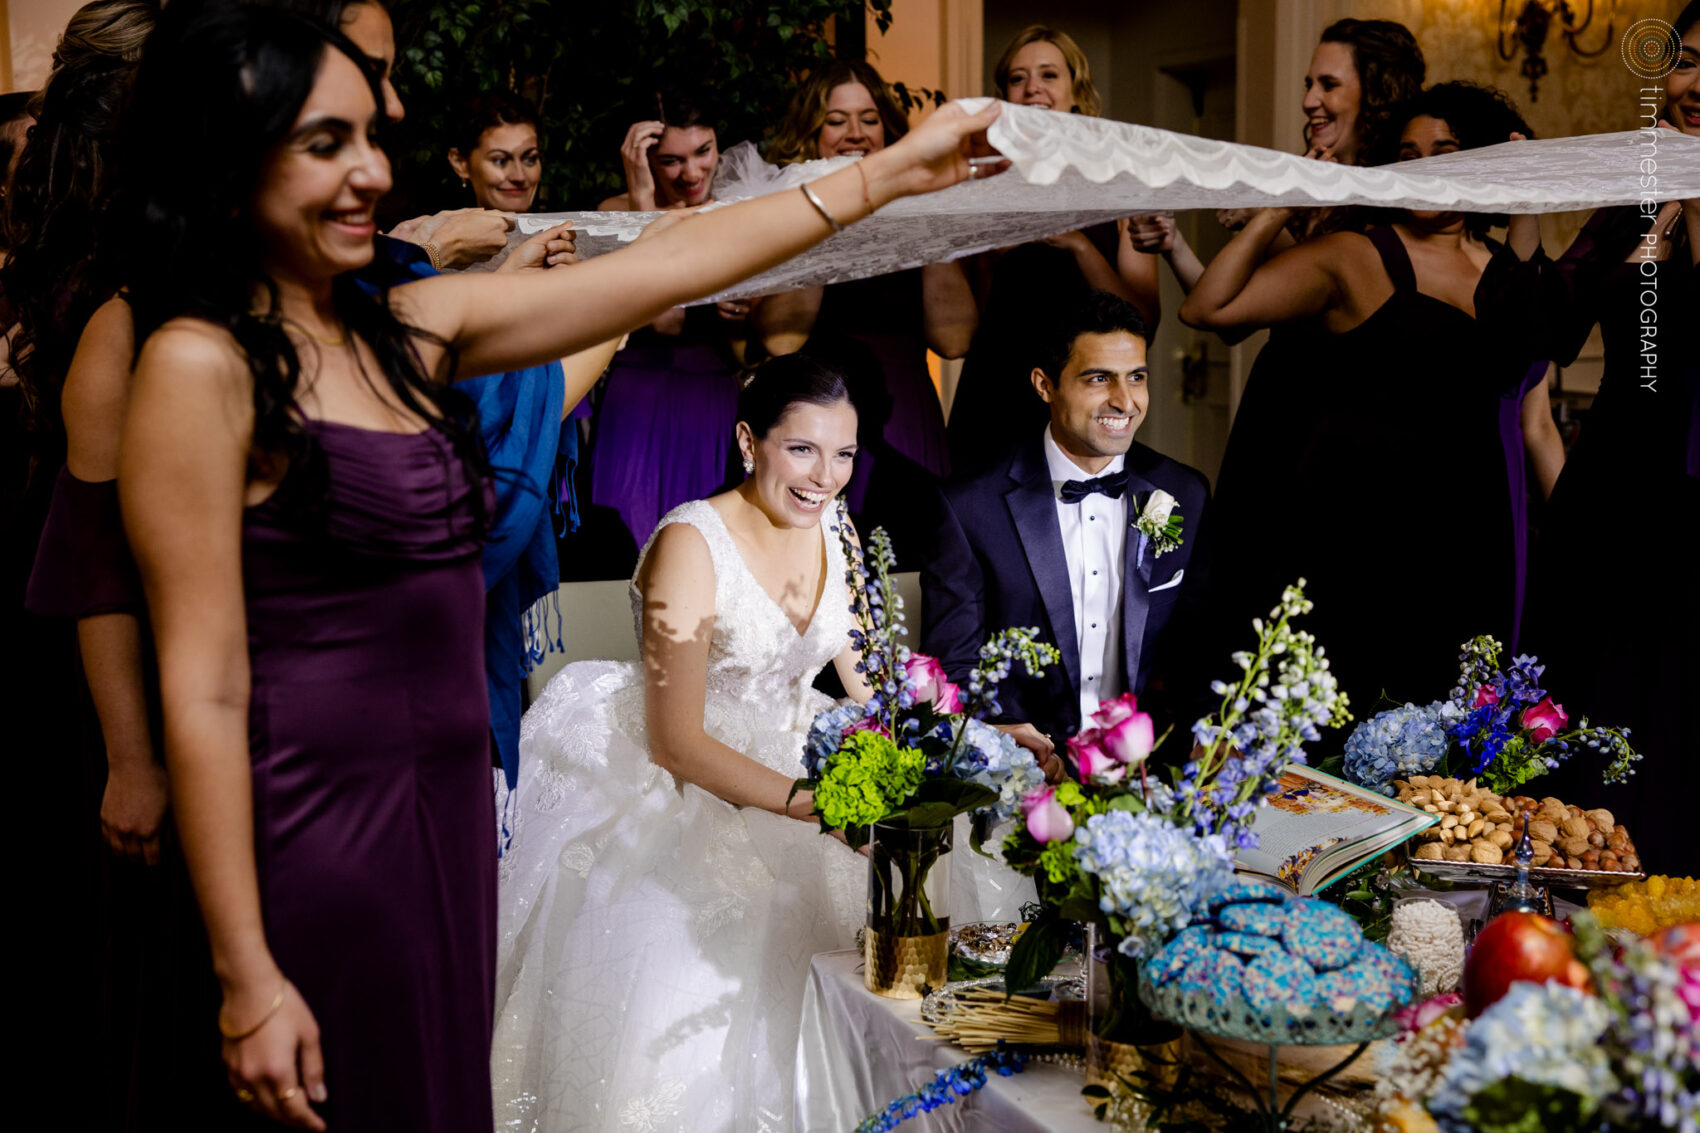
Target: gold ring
244, 1096
287, 1094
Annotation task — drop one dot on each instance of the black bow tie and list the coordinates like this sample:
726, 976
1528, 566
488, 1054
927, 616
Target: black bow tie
1113, 485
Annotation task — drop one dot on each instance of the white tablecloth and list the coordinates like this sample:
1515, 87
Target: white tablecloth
857, 1051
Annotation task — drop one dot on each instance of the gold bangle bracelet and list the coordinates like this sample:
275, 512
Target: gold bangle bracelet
431, 253
238, 1036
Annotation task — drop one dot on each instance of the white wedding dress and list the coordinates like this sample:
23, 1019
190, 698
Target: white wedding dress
654, 941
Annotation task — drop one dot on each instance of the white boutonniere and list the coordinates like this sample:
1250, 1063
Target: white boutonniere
1159, 522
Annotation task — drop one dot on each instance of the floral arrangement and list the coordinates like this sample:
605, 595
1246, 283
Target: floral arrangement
950, 1083
1498, 725
917, 753
1553, 1058
1139, 858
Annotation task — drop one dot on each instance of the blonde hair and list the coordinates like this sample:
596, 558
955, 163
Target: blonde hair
1086, 100
102, 29
798, 135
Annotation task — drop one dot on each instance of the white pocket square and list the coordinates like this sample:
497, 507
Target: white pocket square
1175, 581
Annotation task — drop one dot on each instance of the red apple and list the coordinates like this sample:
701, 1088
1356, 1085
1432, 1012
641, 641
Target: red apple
1518, 946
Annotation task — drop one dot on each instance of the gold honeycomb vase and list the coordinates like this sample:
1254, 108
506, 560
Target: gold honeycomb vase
906, 946
904, 967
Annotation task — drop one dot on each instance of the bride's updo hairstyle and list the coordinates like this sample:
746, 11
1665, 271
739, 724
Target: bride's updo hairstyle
230, 79
790, 379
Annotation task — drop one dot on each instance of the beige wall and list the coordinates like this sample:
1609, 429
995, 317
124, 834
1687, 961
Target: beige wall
933, 44
33, 28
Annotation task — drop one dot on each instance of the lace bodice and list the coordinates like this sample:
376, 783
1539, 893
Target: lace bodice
756, 656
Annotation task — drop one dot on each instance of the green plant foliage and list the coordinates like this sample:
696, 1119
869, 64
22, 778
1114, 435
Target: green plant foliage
593, 71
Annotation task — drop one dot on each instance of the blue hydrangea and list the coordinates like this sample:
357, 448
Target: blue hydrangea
1546, 1034
1152, 876
1397, 744
992, 759
826, 734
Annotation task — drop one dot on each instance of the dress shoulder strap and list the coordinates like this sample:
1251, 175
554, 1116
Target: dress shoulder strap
701, 515
1394, 258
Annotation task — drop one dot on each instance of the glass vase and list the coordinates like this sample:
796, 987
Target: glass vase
1126, 1043
906, 947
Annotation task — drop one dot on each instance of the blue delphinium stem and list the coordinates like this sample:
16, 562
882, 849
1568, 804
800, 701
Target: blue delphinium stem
951, 1083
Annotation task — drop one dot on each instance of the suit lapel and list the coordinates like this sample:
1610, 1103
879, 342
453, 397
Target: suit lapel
1136, 580
1034, 510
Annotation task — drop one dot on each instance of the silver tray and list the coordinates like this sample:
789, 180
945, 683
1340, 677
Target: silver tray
1539, 875
942, 1000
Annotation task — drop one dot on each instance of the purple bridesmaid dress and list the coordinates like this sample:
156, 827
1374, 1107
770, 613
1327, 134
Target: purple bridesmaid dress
374, 827
663, 432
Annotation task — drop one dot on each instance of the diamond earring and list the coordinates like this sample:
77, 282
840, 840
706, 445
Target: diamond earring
749, 465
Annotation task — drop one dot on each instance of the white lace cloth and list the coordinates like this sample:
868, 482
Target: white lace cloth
653, 941
1071, 171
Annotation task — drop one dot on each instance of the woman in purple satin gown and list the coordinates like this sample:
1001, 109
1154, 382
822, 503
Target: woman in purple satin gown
305, 503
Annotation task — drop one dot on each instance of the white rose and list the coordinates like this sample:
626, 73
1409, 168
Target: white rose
1158, 507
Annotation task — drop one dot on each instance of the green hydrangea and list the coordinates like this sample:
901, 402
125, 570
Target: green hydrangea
866, 779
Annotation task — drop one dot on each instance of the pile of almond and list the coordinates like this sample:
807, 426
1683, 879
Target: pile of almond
1479, 826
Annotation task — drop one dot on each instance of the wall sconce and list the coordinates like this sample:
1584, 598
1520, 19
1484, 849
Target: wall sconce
1529, 27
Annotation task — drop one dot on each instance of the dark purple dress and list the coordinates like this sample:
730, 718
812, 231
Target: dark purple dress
1613, 606
663, 432
887, 314
374, 825
1033, 289
1517, 477
154, 1063
1370, 464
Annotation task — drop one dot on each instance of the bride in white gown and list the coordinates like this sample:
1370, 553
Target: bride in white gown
663, 891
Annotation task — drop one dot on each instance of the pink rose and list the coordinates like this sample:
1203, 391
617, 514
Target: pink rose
928, 683
1112, 712
1486, 694
1091, 760
1545, 720
1047, 819
949, 700
1130, 741
1419, 1015
865, 724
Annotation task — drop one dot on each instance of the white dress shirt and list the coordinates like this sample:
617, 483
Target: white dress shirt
1094, 537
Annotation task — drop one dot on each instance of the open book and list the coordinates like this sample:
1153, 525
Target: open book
1316, 829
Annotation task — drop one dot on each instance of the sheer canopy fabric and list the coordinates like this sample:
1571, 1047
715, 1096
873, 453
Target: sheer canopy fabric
1070, 171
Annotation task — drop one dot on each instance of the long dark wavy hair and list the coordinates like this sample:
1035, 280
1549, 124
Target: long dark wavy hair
230, 78
62, 264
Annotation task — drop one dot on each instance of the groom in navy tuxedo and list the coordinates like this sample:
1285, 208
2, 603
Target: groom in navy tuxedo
1049, 536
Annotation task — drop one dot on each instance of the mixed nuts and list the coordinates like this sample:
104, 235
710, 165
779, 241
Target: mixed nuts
1479, 826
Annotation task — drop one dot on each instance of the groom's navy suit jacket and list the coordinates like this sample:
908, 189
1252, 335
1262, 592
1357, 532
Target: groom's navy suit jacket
997, 562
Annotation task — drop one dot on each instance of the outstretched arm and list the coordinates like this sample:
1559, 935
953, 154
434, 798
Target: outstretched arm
513, 321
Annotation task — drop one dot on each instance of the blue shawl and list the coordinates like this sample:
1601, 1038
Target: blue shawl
519, 418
